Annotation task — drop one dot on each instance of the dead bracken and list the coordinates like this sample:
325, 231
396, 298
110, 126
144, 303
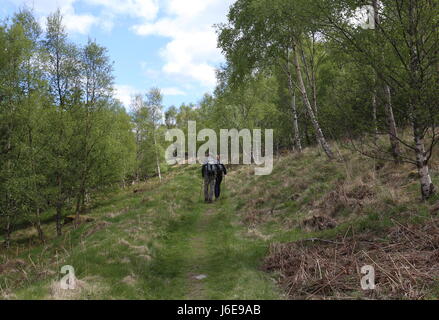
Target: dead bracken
406, 264
12, 265
319, 223
343, 196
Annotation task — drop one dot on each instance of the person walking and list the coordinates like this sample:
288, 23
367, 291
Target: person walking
208, 172
221, 172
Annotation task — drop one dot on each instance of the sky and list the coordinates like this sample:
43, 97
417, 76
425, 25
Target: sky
169, 44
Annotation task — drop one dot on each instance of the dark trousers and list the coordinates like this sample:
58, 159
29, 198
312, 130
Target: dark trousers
218, 181
209, 186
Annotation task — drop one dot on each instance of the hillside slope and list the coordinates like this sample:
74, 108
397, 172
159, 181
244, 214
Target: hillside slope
152, 241
324, 221
302, 232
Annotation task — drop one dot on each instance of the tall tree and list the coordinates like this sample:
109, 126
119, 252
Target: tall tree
259, 30
64, 80
97, 78
154, 101
171, 117
408, 33
391, 123
36, 107
140, 119
12, 57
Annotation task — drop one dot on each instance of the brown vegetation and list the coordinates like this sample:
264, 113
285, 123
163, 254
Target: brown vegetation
406, 264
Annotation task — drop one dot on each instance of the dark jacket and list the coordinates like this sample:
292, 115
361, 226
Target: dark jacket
220, 169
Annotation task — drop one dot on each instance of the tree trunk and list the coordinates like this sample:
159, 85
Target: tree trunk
38, 225
59, 206
374, 113
310, 76
8, 231
85, 169
318, 131
59, 220
78, 208
427, 187
78, 205
307, 138
8, 199
390, 118
297, 142
313, 75
157, 157
80, 199
393, 132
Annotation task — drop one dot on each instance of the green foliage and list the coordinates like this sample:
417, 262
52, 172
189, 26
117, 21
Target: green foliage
147, 114
63, 136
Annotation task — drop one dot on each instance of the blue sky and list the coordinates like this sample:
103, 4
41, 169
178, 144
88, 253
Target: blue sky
170, 44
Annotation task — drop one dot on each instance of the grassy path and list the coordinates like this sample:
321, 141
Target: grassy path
208, 242
151, 244
153, 240
196, 275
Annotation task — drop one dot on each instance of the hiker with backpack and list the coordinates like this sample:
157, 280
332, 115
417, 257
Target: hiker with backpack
220, 174
209, 173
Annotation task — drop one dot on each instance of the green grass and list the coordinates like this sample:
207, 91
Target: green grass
151, 244
150, 247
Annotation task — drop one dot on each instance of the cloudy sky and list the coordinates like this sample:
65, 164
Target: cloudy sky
170, 44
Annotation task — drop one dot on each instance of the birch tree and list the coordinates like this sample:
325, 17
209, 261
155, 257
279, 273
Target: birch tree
391, 123
405, 60
64, 83
154, 101
259, 30
140, 119
96, 90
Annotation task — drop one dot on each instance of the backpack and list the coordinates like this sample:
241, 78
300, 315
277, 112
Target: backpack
208, 169
221, 169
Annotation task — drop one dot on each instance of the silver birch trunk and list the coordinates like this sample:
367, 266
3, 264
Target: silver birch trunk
388, 108
157, 157
393, 131
296, 132
374, 113
318, 131
297, 141
427, 187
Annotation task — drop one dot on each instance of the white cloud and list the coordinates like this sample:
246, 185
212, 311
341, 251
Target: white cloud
192, 53
44, 6
125, 94
146, 9
79, 23
150, 71
189, 57
82, 23
75, 23
188, 8
173, 91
